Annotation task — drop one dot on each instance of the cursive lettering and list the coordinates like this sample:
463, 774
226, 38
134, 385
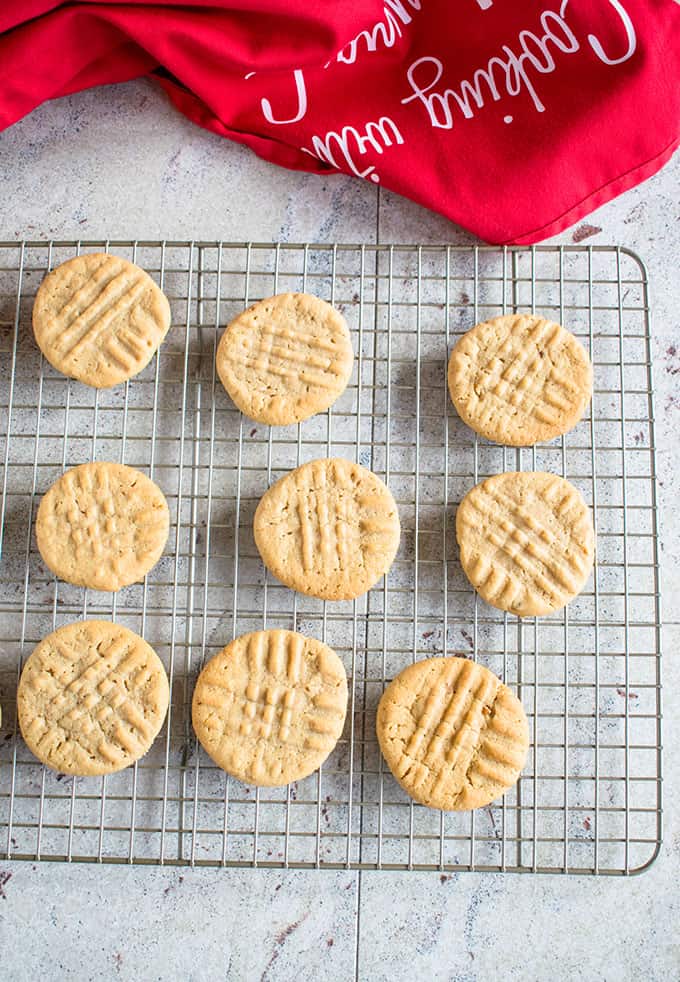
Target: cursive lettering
508, 73
301, 90
386, 31
630, 35
340, 149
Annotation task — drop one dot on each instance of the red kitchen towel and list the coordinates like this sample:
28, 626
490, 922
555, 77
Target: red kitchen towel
514, 120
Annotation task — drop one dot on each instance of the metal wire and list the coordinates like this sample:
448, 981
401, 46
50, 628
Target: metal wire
589, 799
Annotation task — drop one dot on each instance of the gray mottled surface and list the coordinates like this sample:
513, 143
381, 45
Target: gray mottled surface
120, 162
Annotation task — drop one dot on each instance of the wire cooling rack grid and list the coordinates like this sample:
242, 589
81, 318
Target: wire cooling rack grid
589, 799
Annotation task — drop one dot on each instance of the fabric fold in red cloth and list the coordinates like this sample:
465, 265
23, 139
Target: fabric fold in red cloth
513, 120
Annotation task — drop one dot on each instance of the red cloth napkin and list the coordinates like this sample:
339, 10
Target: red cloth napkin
514, 120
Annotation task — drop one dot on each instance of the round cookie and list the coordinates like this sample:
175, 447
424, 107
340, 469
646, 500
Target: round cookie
452, 734
285, 358
329, 529
527, 541
520, 379
102, 525
270, 707
92, 698
99, 319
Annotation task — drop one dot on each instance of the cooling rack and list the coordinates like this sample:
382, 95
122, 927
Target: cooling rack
589, 799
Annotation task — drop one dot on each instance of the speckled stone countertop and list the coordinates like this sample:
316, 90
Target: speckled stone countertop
119, 162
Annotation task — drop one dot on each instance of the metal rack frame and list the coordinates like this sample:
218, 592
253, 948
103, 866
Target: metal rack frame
589, 799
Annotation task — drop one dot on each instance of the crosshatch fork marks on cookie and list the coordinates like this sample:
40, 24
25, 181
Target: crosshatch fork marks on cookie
102, 525
272, 357
453, 735
92, 698
520, 379
270, 707
527, 541
330, 529
285, 358
521, 384
99, 318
